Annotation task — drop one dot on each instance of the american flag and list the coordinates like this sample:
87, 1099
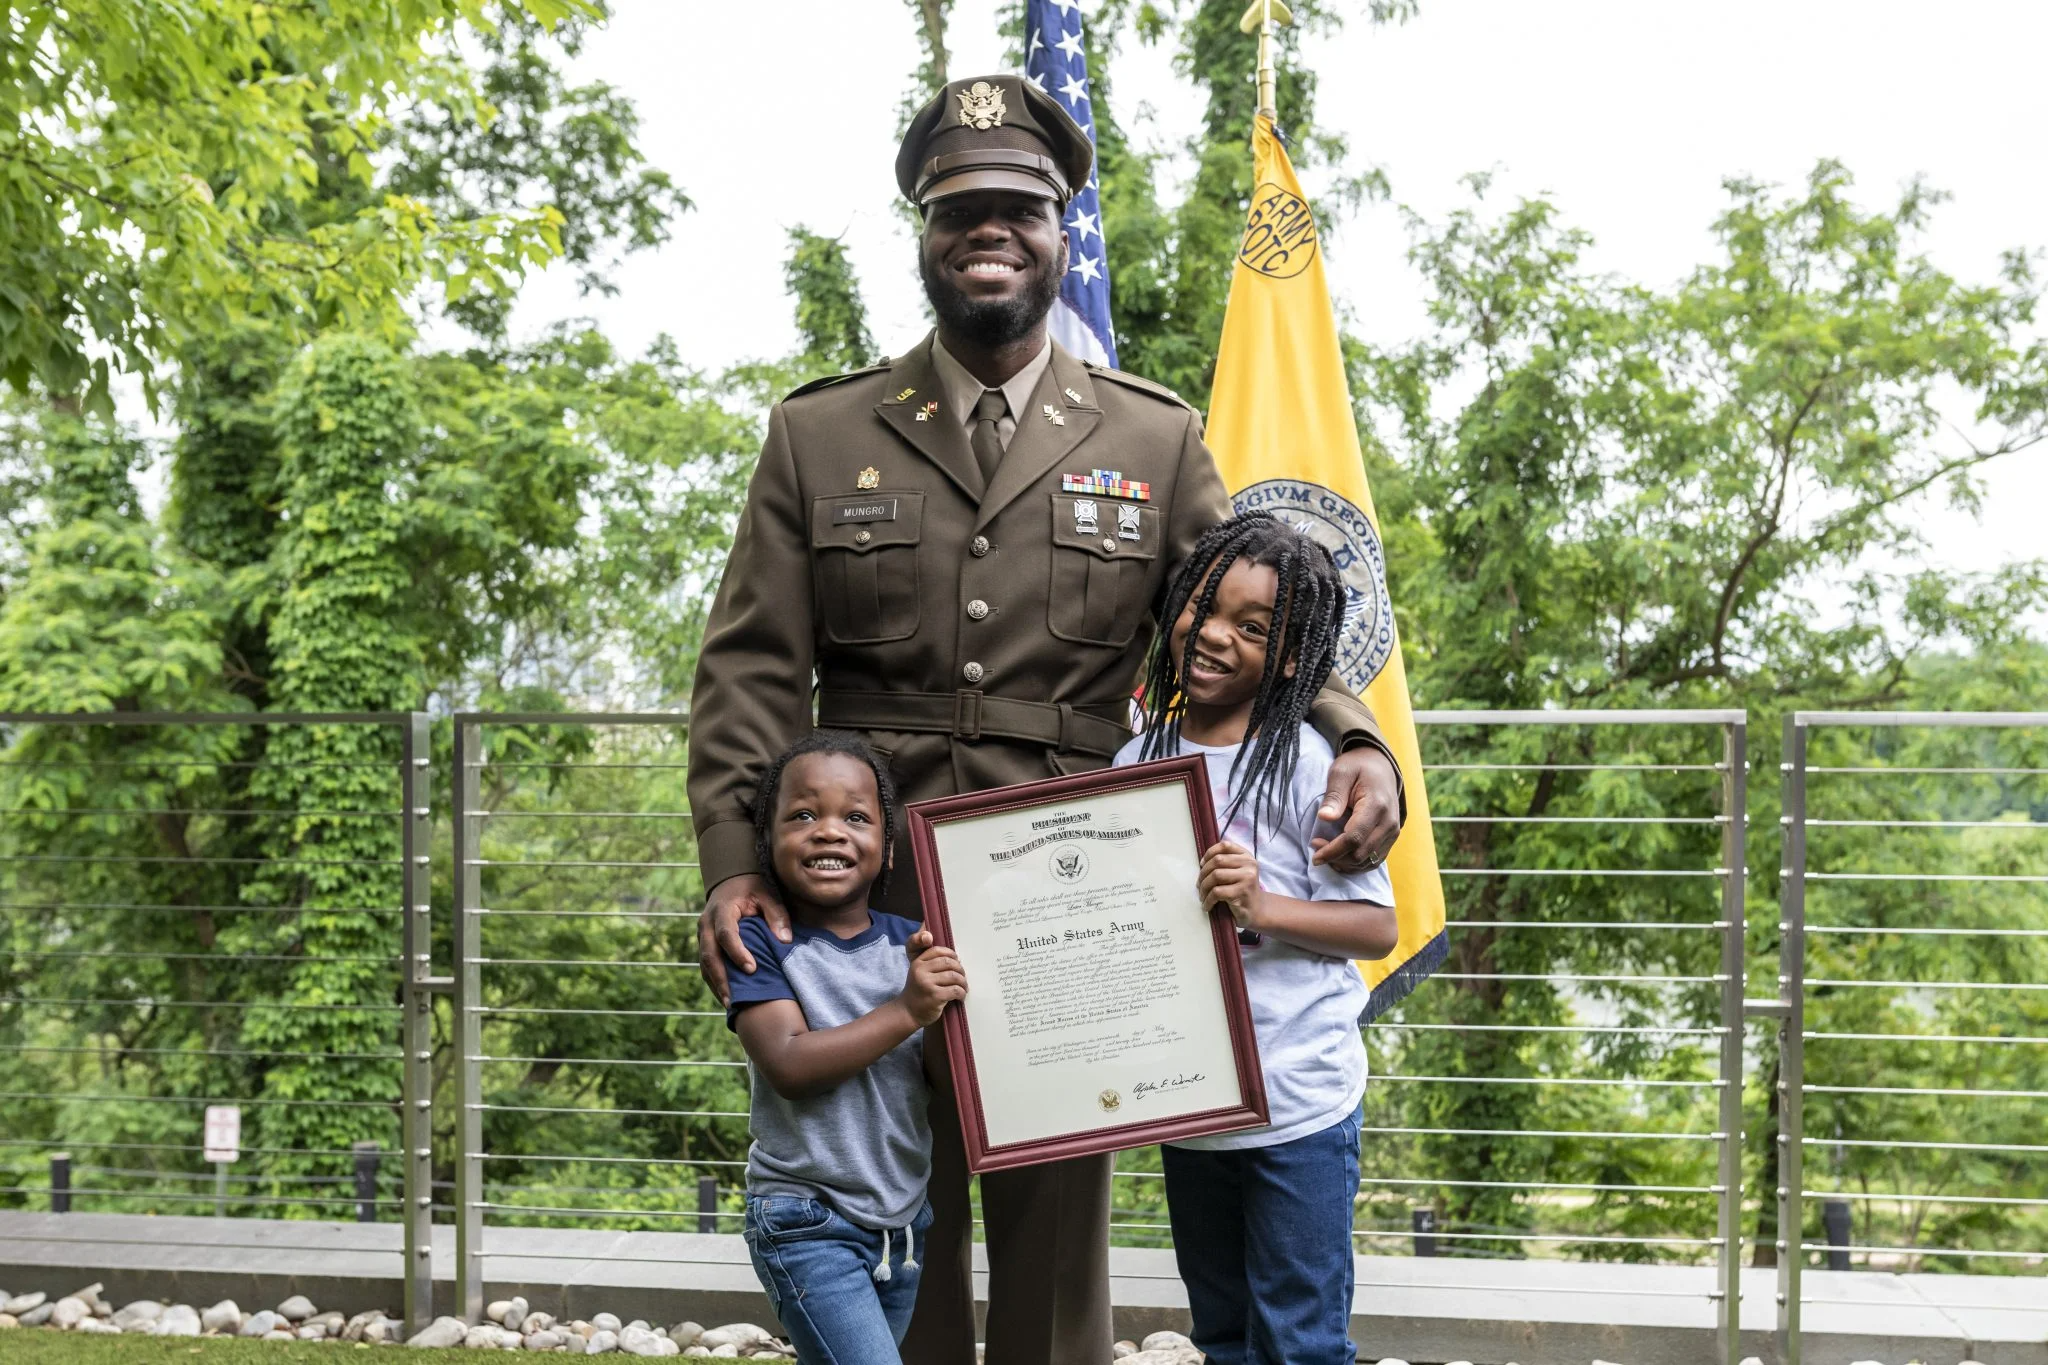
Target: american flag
1055, 62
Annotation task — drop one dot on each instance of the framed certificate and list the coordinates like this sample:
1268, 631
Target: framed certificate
1104, 1008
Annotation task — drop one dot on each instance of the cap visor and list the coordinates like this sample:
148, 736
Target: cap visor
990, 178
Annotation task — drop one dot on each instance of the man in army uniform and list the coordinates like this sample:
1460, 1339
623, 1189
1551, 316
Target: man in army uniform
929, 539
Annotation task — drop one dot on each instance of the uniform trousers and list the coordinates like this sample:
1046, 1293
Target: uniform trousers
1047, 1230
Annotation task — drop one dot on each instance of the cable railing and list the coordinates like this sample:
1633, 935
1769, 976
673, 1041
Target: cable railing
1913, 1067
208, 911
213, 910
597, 1083
1569, 1085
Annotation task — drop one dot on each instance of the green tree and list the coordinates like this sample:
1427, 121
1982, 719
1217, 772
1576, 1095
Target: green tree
1613, 517
157, 156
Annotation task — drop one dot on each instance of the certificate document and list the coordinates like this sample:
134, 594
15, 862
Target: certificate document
1105, 1006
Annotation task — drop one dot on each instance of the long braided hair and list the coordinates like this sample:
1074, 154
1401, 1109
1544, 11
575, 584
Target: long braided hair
1308, 618
822, 742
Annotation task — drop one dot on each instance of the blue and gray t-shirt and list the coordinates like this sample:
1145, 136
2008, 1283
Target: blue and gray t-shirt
864, 1146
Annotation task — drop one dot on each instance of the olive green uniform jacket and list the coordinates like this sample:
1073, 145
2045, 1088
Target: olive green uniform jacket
977, 637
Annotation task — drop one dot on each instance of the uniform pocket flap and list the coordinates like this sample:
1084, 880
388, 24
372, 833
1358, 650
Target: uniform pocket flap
1108, 528
866, 521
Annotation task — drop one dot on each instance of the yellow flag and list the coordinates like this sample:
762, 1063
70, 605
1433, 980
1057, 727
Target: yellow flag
1281, 425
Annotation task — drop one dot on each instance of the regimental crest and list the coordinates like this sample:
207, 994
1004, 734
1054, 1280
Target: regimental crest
870, 477
981, 106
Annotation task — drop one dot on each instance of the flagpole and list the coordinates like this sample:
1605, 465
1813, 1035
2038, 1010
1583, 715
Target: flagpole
1265, 18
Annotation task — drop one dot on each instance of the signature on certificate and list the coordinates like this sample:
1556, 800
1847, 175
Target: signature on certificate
1165, 1084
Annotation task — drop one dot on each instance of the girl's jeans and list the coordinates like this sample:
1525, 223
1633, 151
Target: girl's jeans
1263, 1239
819, 1271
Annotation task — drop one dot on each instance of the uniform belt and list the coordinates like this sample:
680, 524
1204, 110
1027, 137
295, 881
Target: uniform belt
973, 714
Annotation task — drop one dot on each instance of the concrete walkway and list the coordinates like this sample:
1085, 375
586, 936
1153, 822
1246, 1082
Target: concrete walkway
1488, 1312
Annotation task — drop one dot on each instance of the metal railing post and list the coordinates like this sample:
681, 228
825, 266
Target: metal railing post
416, 1029
1734, 886
60, 1182
369, 1156
1792, 1040
469, 1127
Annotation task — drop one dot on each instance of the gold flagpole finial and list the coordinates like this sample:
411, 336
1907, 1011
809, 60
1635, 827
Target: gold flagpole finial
1264, 18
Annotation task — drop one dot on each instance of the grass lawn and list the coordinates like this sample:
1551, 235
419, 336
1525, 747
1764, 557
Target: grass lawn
38, 1346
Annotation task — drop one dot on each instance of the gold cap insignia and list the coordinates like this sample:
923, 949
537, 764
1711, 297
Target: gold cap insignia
981, 106
870, 477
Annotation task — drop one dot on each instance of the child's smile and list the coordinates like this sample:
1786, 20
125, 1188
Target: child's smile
827, 837
1220, 676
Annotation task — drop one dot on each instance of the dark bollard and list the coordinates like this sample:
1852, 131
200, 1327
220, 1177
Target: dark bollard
707, 1203
368, 1155
1425, 1232
60, 1182
1834, 1216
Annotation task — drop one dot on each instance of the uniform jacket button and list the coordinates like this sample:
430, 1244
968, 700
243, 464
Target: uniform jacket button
973, 672
977, 609
863, 537
1109, 545
978, 546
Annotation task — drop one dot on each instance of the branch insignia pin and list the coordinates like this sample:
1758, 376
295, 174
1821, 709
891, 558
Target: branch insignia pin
1054, 416
924, 414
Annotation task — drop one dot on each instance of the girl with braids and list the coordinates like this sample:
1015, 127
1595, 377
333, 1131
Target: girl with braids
1262, 1218
832, 1023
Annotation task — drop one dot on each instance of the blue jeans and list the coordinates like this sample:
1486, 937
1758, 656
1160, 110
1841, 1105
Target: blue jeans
819, 1271
1263, 1238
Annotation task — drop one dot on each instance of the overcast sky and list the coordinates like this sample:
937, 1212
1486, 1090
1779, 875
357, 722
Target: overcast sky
1629, 113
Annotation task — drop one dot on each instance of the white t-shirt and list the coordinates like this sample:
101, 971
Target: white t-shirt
1305, 1006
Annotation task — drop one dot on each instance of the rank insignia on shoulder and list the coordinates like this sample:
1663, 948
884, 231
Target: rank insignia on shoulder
870, 477
1106, 483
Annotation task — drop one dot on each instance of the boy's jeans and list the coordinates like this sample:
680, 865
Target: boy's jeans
1263, 1238
819, 1271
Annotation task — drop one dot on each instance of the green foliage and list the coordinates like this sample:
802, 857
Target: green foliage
1600, 495
830, 316
158, 157
572, 149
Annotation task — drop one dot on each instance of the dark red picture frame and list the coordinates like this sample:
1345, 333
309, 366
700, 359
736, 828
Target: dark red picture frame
1193, 774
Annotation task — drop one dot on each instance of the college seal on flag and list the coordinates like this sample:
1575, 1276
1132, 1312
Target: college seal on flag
1348, 534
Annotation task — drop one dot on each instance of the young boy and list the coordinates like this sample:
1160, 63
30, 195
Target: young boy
832, 1023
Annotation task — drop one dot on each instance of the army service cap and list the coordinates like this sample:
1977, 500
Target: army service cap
993, 133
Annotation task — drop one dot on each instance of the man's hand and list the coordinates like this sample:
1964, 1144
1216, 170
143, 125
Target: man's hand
1363, 790
936, 979
718, 928
1230, 877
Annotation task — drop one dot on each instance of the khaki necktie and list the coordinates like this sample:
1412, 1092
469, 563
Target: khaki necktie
987, 440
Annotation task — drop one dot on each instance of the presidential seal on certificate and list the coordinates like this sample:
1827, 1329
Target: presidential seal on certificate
1106, 1009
